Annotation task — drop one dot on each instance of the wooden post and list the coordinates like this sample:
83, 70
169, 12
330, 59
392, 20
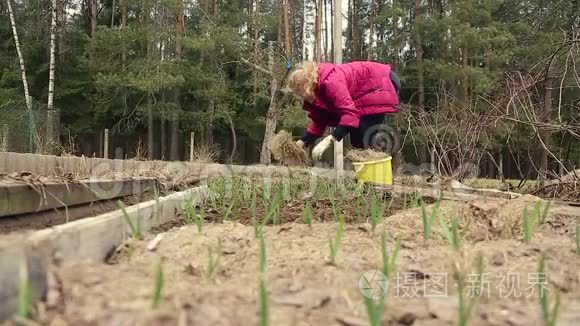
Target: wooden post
491, 168
4, 143
191, 139
433, 167
501, 165
561, 166
106, 147
338, 146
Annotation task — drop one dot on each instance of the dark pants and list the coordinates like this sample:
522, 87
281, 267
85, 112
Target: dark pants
396, 82
365, 135
362, 137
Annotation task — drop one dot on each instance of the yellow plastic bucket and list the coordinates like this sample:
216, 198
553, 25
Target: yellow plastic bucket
379, 171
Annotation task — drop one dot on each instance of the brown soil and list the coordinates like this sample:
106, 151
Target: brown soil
292, 212
305, 290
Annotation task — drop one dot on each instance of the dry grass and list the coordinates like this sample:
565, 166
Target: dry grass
206, 153
505, 185
41, 144
360, 155
285, 150
56, 147
572, 176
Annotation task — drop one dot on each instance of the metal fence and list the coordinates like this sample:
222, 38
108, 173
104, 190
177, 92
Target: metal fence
24, 131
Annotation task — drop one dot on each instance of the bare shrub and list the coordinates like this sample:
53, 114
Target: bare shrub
140, 153
206, 153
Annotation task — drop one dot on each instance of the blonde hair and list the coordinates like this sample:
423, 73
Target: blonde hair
304, 77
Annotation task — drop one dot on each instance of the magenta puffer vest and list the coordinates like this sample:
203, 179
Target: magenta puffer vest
349, 91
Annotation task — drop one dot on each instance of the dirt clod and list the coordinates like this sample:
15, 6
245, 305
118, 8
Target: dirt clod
498, 259
407, 318
444, 309
308, 299
193, 269
351, 321
562, 281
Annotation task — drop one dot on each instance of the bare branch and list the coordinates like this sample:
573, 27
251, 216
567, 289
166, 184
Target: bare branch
255, 66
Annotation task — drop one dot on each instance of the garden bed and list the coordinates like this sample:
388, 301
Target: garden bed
211, 270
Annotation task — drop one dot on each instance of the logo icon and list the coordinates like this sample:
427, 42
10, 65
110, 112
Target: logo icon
382, 138
373, 284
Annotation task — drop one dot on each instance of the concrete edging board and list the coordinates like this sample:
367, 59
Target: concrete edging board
20, 198
93, 238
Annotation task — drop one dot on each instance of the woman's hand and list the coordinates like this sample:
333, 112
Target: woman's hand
300, 144
322, 147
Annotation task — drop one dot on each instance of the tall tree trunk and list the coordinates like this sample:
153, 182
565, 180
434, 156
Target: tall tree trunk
150, 128
179, 32
149, 42
419, 53
325, 29
371, 54
234, 140
20, 58
356, 30
491, 167
287, 43
209, 126
272, 114
174, 145
51, 114
113, 14
297, 28
60, 23
337, 31
464, 78
546, 117
123, 27
279, 7
206, 6
94, 12
395, 28
163, 128
332, 29
423, 152
123, 5
256, 47
349, 30
317, 31
441, 8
